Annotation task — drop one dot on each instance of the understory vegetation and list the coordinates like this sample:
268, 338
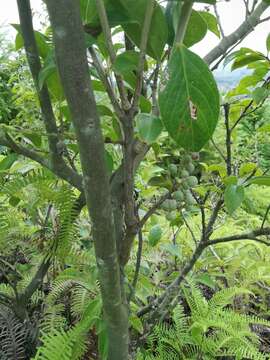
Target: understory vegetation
134, 195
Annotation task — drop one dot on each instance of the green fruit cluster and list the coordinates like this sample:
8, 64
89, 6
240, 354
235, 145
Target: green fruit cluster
184, 181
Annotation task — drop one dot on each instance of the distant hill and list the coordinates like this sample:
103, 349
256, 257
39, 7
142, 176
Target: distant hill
227, 79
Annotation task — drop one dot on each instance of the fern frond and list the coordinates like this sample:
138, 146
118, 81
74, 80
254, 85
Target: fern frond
13, 335
67, 218
70, 345
225, 296
53, 318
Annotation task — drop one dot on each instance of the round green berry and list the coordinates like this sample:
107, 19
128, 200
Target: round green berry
189, 198
173, 170
184, 174
190, 168
192, 181
171, 216
178, 195
187, 159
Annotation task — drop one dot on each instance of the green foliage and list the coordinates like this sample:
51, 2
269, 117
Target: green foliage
211, 330
13, 336
39, 219
189, 116
149, 127
233, 196
70, 345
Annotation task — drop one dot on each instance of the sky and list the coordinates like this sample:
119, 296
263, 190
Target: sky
232, 14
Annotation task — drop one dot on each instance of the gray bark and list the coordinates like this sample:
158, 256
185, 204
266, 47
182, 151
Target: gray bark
74, 73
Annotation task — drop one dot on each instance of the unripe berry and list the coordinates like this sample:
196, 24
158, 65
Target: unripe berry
192, 181
184, 174
178, 195
173, 170
171, 216
190, 168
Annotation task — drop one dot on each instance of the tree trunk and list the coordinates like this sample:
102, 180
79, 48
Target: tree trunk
74, 73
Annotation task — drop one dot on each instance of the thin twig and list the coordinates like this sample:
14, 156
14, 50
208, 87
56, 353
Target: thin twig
108, 39
138, 265
228, 139
265, 216
153, 209
102, 75
218, 149
219, 21
190, 230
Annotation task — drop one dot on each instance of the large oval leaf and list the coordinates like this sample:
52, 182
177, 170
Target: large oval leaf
196, 29
189, 102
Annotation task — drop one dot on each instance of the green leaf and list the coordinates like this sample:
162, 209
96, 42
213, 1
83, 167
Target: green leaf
145, 105
211, 22
259, 94
126, 62
158, 33
49, 75
246, 59
189, 103
260, 180
48, 69
41, 41
149, 127
206, 280
219, 168
104, 111
97, 85
116, 14
8, 161
14, 201
173, 249
136, 323
109, 161
234, 195
154, 235
130, 15
160, 181
231, 180
202, 1
247, 168
196, 29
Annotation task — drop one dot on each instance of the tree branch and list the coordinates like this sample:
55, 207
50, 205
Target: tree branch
108, 39
219, 21
244, 236
228, 139
58, 165
228, 41
153, 209
103, 77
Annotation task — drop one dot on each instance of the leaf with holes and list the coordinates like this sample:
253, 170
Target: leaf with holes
189, 101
